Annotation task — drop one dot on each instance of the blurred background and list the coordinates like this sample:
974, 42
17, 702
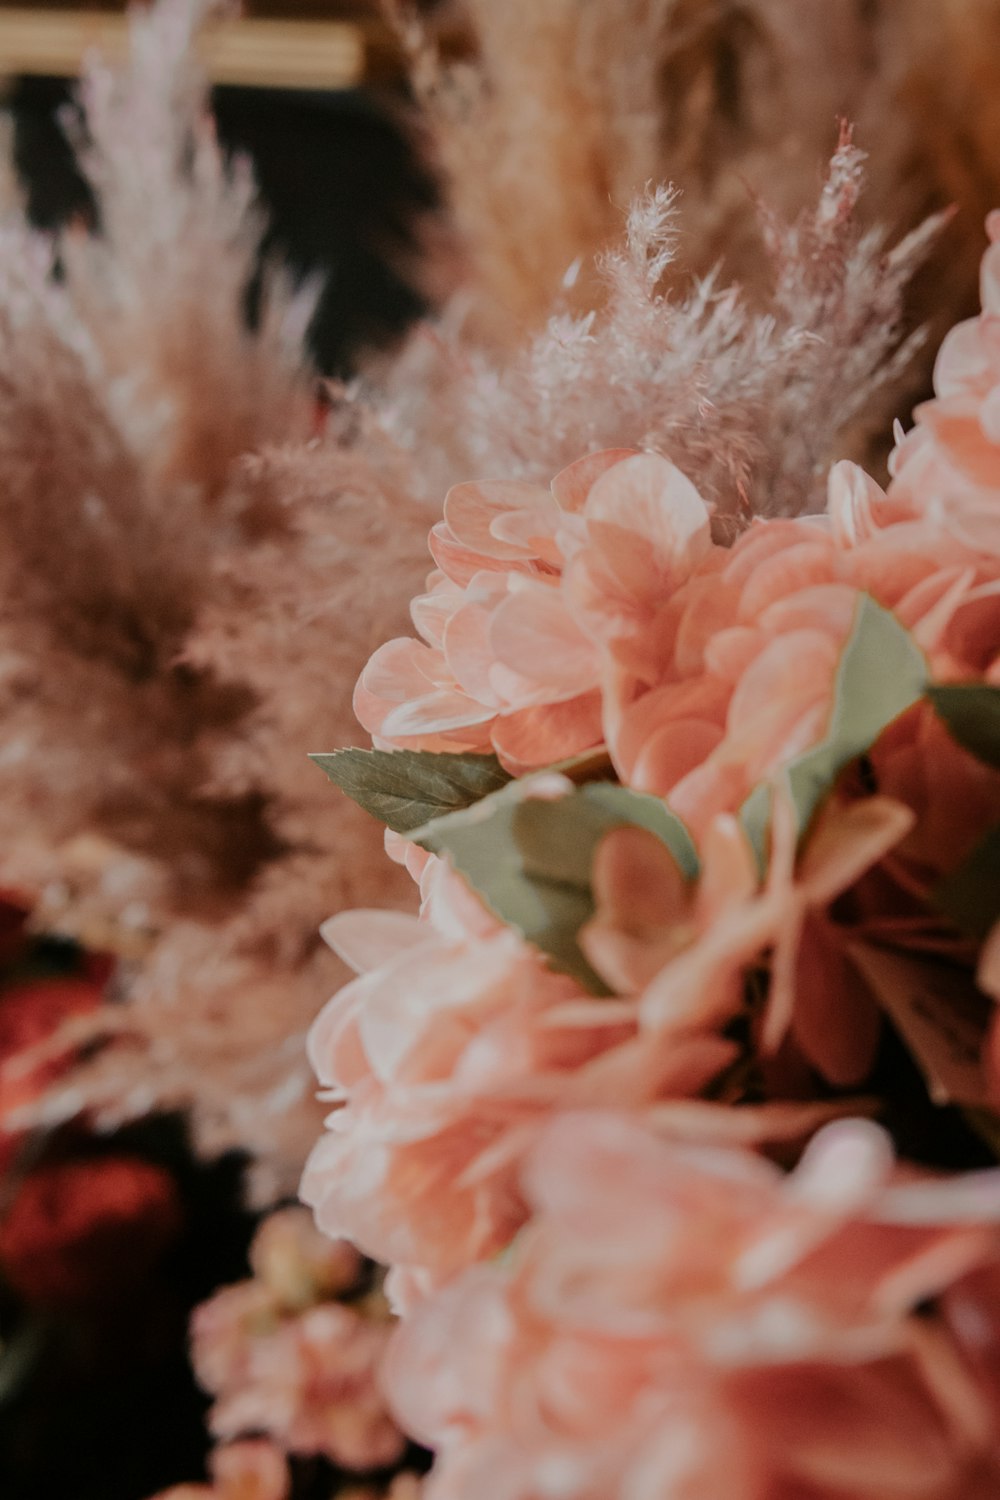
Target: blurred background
124, 1235
311, 90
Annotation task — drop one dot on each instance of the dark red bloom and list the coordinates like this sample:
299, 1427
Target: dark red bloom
84, 1231
32, 1010
13, 922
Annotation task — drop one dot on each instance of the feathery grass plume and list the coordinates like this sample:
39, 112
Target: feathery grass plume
185, 609
542, 141
568, 110
750, 402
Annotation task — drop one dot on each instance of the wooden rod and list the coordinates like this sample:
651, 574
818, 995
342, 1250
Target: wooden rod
256, 53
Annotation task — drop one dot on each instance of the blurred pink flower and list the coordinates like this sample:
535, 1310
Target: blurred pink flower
704, 668
442, 1056
402, 1487
254, 1469
299, 1265
679, 1324
303, 1372
948, 466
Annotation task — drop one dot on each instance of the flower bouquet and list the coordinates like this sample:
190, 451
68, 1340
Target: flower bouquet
673, 1110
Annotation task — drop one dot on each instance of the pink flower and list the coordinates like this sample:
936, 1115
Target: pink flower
687, 950
299, 1265
311, 1383
254, 1469
535, 586
677, 1324
305, 1373
445, 1057
949, 464
442, 1056
457, 1042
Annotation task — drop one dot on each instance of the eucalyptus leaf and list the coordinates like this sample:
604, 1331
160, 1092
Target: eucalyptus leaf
882, 673
407, 788
530, 858
970, 895
971, 712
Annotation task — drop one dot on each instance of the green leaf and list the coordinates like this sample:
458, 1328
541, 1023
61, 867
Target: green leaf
970, 895
971, 714
881, 674
407, 788
530, 859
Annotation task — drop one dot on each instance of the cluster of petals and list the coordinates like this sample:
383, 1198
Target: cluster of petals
532, 589
306, 1376
601, 610
948, 467
673, 1316
678, 1322
704, 668
457, 1042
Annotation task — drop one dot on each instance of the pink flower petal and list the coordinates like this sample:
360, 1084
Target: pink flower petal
469, 510
573, 484
533, 633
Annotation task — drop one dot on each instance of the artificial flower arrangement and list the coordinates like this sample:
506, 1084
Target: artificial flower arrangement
674, 1111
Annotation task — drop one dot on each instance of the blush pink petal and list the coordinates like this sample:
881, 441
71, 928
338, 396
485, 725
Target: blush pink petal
854, 503
471, 508
532, 633
469, 654
461, 564
439, 713
670, 1324
649, 521
806, 565
430, 612
572, 485
670, 753
540, 736
365, 939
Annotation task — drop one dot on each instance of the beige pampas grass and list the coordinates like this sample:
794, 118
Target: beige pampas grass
569, 108
184, 611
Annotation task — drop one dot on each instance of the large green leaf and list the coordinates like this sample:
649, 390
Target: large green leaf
406, 788
530, 858
971, 711
881, 674
970, 896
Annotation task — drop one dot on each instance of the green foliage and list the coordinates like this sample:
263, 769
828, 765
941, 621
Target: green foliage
971, 711
882, 673
530, 858
407, 788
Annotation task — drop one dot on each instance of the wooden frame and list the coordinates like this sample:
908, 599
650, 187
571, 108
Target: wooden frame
256, 52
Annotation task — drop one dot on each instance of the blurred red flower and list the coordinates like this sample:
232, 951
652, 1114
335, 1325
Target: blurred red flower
82, 1231
13, 921
30, 1011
